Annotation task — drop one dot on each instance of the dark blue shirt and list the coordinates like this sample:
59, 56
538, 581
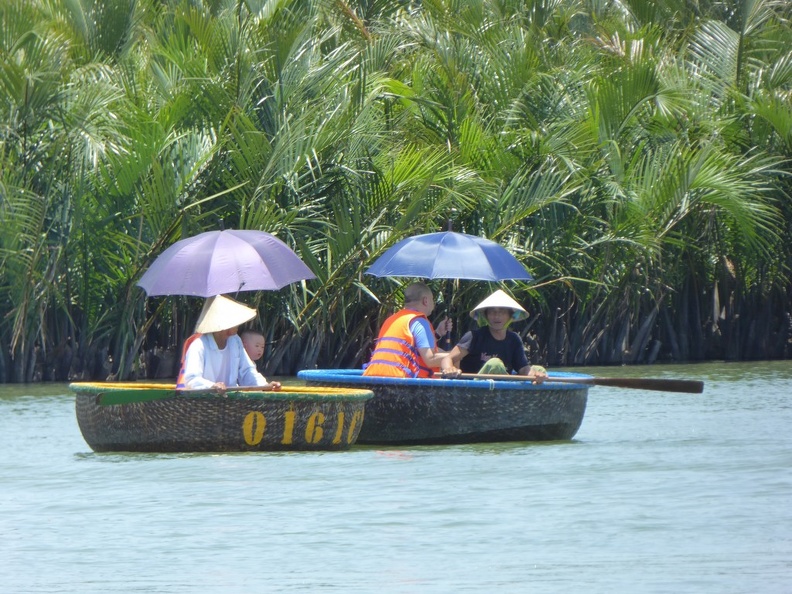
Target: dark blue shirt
481, 346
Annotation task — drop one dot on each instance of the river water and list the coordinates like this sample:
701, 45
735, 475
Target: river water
658, 492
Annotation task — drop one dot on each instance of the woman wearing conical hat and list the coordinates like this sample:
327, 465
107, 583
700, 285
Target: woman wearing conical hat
493, 348
214, 357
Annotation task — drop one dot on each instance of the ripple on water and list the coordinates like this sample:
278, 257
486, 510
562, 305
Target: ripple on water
657, 493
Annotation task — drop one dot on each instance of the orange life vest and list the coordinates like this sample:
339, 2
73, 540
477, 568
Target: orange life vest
180, 380
394, 353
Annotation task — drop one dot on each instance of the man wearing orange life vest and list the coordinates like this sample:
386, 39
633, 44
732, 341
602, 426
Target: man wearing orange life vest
406, 344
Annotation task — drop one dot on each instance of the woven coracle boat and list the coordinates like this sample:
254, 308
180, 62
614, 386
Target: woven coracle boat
452, 411
157, 418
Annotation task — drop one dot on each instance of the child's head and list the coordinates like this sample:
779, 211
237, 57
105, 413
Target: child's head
254, 343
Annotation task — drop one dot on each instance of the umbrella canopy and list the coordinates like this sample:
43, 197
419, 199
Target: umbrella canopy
218, 262
448, 254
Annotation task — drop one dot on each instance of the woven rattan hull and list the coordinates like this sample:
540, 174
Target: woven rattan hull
153, 418
439, 411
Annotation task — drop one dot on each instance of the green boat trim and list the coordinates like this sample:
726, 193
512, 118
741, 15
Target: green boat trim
128, 393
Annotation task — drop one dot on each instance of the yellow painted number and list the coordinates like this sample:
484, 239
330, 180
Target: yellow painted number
253, 427
314, 431
352, 433
288, 427
339, 428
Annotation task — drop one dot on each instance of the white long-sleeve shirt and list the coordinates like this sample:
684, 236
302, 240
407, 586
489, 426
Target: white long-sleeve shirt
205, 364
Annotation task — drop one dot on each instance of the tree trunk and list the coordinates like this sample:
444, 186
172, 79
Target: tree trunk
638, 347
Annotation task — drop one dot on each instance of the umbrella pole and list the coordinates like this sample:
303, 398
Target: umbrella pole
445, 342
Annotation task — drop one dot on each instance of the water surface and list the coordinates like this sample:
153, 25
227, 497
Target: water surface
658, 492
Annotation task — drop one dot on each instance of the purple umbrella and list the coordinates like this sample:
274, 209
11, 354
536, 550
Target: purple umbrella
221, 262
448, 254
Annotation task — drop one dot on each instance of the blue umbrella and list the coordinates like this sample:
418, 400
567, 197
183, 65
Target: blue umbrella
449, 254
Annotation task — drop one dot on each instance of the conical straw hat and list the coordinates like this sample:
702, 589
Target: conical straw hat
500, 299
221, 313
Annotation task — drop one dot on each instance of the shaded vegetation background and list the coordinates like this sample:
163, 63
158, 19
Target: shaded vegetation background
634, 155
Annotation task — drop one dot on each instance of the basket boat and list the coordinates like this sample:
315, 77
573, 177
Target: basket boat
418, 411
156, 418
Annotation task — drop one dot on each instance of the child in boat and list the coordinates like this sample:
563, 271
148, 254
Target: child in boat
493, 348
254, 343
214, 357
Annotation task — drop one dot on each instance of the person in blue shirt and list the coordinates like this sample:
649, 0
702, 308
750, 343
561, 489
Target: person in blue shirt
406, 345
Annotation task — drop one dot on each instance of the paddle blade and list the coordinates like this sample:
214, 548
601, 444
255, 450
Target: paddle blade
661, 385
638, 383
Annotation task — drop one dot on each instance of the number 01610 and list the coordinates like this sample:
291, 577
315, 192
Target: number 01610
254, 427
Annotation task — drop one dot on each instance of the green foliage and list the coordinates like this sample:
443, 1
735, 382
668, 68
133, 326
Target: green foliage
634, 155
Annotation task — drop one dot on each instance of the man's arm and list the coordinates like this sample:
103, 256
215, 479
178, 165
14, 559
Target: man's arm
462, 348
432, 357
194, 367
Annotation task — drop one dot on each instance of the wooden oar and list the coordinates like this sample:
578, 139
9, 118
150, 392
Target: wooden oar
662, 385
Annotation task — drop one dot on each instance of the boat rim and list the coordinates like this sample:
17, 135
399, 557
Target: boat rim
284, 393
355, 376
